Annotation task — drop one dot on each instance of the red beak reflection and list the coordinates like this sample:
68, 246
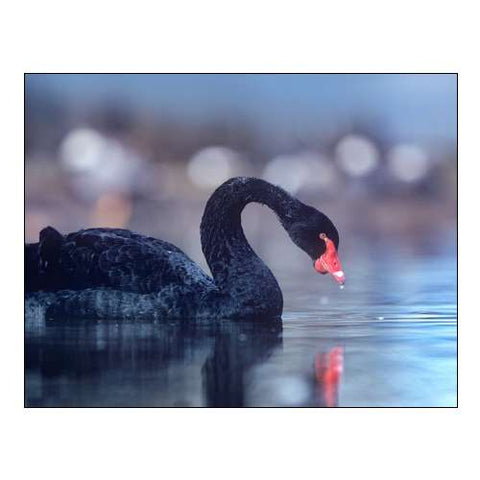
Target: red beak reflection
329, 261
328, 371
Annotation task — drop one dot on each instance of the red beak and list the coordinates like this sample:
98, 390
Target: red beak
329, 262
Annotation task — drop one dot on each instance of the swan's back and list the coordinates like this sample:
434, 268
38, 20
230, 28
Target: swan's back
111, 258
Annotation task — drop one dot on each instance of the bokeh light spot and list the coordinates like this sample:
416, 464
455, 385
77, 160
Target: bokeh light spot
408, 163
356, 155
211, 166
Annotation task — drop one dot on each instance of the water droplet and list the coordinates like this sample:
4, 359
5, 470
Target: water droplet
342, 287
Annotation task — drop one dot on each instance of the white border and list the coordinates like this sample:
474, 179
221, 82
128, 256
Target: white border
246, 36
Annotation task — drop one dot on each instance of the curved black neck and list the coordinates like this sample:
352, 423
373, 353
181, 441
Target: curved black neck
229, 256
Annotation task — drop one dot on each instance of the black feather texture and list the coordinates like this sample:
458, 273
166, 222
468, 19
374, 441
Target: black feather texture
105, 273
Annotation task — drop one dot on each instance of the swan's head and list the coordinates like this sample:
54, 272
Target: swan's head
316, 235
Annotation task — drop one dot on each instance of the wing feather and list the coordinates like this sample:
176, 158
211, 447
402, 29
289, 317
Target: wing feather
127, 261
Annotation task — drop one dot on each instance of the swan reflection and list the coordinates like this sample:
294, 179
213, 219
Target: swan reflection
145, 364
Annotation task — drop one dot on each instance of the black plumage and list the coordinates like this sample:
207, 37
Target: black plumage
114, 273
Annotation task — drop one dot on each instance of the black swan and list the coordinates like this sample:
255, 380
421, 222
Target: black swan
104, 273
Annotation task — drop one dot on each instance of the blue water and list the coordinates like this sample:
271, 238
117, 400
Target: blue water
396, 322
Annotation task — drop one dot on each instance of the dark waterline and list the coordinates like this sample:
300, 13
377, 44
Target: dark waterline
396, 322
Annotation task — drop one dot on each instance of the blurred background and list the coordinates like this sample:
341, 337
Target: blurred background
376, 153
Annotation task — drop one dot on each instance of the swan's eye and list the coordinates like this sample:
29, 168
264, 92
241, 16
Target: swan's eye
323, 236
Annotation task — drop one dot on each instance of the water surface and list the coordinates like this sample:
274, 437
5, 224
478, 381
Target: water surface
396, 322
